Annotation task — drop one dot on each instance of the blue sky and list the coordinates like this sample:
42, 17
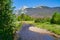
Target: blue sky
32, 3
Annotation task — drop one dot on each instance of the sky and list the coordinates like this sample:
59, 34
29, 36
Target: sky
33, 3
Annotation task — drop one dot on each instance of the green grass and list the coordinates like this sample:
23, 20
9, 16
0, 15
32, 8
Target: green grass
18, 25
51, 27
29, 22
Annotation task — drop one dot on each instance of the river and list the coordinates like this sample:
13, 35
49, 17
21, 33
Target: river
26, 34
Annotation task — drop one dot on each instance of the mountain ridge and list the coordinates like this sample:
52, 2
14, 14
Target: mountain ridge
40, 11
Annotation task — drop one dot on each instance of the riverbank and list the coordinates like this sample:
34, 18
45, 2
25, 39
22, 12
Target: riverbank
52, 28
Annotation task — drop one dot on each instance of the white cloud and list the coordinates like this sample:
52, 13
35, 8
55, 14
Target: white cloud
24, 7
34, 7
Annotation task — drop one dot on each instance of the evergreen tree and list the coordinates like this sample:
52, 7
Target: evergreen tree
56, 18
6, 20
52, 20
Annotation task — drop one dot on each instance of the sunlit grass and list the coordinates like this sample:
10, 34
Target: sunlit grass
51, 27
29, 22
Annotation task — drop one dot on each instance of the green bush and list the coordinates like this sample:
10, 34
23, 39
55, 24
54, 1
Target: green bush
56, 18
42, 20
24, 17
6, 20
37, 20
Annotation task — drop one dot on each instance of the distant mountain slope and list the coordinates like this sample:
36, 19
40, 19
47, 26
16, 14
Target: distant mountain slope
40, 11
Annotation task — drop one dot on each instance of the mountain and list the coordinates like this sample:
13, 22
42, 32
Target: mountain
40, 11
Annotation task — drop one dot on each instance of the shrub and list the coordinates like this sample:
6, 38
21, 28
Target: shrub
42, 20
38, 20
24, 17
56, 18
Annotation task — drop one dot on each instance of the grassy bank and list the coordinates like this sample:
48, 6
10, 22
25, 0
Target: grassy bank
51, 27
20, 23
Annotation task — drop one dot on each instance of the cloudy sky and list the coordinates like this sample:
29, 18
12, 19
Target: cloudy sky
32, 3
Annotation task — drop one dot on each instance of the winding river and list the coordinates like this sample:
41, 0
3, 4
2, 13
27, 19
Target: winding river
26, 34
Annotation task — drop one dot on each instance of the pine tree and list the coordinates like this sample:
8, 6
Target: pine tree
6, 20
52, 20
